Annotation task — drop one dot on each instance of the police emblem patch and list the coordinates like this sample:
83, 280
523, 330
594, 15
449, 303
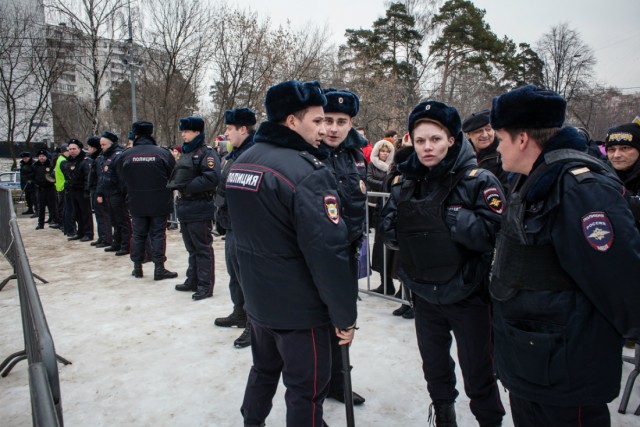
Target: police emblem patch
598, 231
331, 208
493, 200
210, 162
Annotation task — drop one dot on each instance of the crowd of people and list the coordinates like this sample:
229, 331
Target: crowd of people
506, 230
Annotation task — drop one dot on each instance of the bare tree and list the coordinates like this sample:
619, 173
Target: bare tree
568, 61
98, 30
179, 39
28, 70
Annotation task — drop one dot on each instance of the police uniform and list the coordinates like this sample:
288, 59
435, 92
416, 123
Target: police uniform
444, 220
195, 177
46, 191
77, 171
145, 169
27, 184
112, 191
294, 260
349, 167
100, 210
564, 262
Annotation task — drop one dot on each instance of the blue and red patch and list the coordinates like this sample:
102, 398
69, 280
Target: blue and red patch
598, 231
331, 208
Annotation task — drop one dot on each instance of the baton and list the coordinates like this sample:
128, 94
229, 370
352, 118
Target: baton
348, 393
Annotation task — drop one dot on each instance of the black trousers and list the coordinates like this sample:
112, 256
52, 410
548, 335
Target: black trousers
470, 322
303, 357
82, 209
531, 414
120, 221
103, 220
198, 241
47, 200
152, 229
233, 268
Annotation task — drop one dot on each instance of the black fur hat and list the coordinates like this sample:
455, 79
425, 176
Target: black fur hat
94, 141
291, 96
476, 120
110, 136
142, 127
528, 107
42, 151
436, 110
193, 123
342, 101
131, 136
25, 154
77, 142
240, 117
627, 134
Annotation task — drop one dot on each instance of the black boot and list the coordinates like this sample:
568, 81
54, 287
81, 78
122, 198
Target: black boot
402, 310
202, 293
254, 425
162, 273
244, 340
186, 287
137, 270
445, 414
238, 319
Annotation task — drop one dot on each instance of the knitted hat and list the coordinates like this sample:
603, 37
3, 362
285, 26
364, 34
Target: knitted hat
240, 117
439, 111
292, 96
341, 101
627, 134
142, 127
476, 120
528, 107
193, 123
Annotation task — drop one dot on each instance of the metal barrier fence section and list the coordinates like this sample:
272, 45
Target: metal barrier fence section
39, 350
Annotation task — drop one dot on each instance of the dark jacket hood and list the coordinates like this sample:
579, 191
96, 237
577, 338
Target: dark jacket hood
282, 136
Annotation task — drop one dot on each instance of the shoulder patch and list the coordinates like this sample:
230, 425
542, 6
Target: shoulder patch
493, 200
581, 174
211, 162
331, 208
244, 179
598, 231
473, 172
311, 159
580, 170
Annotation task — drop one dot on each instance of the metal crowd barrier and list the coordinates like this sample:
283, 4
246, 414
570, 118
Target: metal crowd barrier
44, 384
404, 299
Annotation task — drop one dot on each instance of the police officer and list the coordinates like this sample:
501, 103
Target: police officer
77, 170
63, 200
623, 151
240, 123
111, 192
566, 256
294, 256
103, 220
28, 186
44, 179
347, 162
145, 169
483, 138
195, 177
443, 215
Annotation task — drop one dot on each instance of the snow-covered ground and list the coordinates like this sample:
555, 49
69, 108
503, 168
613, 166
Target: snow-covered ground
146, 355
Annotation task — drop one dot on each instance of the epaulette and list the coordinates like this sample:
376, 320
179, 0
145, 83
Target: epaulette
473, 172
581, 173
397, 180
317, 164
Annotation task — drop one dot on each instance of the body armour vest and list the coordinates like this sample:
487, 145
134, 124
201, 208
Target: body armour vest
427, 252
185, 171
519, 265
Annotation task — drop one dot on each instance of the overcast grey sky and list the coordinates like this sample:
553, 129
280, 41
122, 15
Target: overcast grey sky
610, 27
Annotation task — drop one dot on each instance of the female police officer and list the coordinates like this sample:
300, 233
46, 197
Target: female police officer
443, 214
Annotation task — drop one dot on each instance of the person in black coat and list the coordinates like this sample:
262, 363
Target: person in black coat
44, 179
348, 164
443, 215
145, 169
27, 184
195, 177
623, 151
565, 261
77, 171
240, 129
294, 256
100, 211
110, 192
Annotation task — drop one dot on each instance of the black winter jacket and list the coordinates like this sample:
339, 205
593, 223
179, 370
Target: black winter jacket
145, 169
108, 181
77, 171
563, 347
27, 174
473, 214
41, 171
292, 241
222, 209
631, 180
